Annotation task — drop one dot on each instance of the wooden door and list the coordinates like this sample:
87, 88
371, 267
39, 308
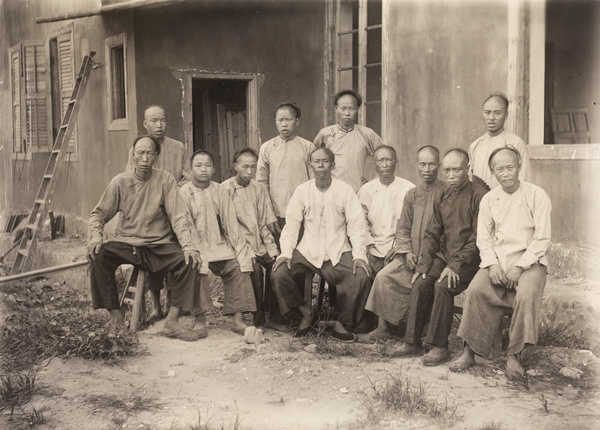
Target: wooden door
231, 118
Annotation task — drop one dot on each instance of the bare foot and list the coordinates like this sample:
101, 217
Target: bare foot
277, 327
463, 362
514, 370
175, 330
377, 334
200, 326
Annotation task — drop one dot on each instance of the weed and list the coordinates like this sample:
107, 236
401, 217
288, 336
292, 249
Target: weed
492, 425
35, 416
133, 402
402, 394
16, 390
556, 332
199, 425
544, 401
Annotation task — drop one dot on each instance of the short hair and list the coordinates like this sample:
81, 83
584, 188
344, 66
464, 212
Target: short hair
201, 152
156, 106
460, 151
244, 151
502, 148
389, 148
430, 148
327, 151
156, 144
499, 95
289, 105
347, 93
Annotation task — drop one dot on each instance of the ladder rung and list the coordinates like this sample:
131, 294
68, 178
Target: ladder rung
72, 101
132, 289
24, 252
56, 151
40, 201
47, 176
31, 226
64, 126
128, 301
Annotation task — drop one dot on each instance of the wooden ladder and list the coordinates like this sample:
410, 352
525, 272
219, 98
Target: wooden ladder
133, 295
30, 237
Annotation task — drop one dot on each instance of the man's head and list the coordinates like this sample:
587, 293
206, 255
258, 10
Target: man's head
346, 104
244, 163
203, 167
505, 164
495, 112
144, 152
455, 166
322, 162
155, 122
428, 163
287, 118
385, 161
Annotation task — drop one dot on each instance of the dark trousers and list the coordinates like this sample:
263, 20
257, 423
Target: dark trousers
352, 289
155, 259
433, 301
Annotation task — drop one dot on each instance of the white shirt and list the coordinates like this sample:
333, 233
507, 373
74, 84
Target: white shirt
481, 149
332, 220
382, 206
514, 229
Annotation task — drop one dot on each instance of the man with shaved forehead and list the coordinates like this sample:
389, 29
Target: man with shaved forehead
447, 262
495, 112
513, 234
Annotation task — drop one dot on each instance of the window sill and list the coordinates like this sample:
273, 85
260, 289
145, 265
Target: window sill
118, 125
576, 151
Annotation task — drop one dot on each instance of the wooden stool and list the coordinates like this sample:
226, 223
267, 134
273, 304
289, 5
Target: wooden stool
133, 295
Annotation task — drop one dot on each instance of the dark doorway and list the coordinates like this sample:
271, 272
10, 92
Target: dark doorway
220, 120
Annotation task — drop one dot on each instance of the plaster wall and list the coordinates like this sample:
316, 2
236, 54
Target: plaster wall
444, 58
283, 42
101, 154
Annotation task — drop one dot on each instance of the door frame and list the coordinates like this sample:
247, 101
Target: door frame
254, 82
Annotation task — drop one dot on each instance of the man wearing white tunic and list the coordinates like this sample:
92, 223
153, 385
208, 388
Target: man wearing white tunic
495, 112
382, 200
332, 218
350, 143
513, 234
390, 296
283, 160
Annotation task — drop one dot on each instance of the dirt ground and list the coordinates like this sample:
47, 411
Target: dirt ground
222, 382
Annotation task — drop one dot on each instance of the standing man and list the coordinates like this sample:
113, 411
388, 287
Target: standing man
254, 213
283, 161
448, 261
350, 143
495, 112
390, 296
382, 200
174, 159
332, 218
153, 233
513, 234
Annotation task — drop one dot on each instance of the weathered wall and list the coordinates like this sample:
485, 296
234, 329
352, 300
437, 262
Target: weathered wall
444, 58
281, 40
573, 189
576, 57
101, 154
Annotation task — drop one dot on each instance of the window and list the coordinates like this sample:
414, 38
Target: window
62, 81
31, 129
116, 60
358, 55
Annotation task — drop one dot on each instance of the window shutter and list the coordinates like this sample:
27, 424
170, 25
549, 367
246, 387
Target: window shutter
67, 74
35, 83
16, 76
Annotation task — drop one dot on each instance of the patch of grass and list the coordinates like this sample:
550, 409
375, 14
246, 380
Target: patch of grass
555, 331
16, 390
492, 425
401, 394
111, 402
542, 398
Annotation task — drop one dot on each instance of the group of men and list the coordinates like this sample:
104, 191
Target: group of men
394, 251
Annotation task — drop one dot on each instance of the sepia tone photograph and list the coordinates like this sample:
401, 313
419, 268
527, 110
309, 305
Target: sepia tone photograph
299, 214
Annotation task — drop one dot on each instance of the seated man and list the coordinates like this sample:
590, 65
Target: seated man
449, 256
254, 213
390, 296
382, 200
225, 251
153, 233
330, 213
513, 234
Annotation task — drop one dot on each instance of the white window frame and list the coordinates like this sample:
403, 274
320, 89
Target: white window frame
109, 44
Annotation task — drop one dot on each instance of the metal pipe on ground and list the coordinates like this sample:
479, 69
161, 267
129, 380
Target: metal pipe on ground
38, 272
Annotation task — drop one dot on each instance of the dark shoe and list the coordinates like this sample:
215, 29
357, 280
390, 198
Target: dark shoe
363, 328
436, 359
343, 337
407, 350
154, 317
202, 332
259, 319
313, 323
